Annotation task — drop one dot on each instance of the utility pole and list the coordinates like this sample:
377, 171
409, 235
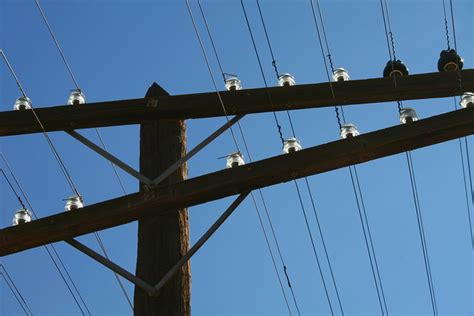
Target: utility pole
163, 240
163, 275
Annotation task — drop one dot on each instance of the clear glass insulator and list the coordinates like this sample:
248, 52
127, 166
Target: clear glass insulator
21, 216
22, 103
76, 97
286, 80
234, 160
408, 115
291, 145
467, 99
73, 203
340, 74
233, 83
349, 130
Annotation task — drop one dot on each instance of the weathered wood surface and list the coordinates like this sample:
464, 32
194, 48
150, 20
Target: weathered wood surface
168, 197
247, 101
163, 240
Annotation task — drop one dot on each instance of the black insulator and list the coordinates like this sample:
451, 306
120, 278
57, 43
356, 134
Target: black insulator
449, 60
395, 67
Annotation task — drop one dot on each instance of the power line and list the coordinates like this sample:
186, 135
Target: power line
352, 169
468, 159
277, 123
446, 28
63, 56
272, 229
274, 64
14, 289
314, 247
247, 152
364, 224
210, 71
48, 139
15, 179
282, 140
57, 44
384, 7
421, 231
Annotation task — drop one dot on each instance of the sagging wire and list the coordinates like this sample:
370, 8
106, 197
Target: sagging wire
274, 64
466, 147
73, 78
33, 213
206, 59
352, 169
15, 291
48, 139
411, 170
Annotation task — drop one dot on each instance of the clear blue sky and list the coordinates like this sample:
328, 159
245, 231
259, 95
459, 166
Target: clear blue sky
118, 48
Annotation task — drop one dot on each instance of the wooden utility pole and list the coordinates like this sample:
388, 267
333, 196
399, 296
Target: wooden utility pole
163, 232
163, 240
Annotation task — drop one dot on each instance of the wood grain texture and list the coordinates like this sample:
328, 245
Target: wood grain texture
163, 240
247, 101
168, 197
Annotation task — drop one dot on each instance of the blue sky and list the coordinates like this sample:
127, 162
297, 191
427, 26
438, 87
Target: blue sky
118, 48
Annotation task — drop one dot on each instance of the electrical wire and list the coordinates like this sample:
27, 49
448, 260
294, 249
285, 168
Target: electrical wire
274, 64
352, 169
14, 289
446, 28
411, 170
277, 123
58, 159
466, 173
64, 59
48, 139
293, 130
421, 231
46, 247
57, 44
210, 71
250, 158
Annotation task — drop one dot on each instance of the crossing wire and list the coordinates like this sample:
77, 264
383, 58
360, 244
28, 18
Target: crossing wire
411, 170
352, 169
59, 160
47, 247
69, 69
248, 154
14, 289
285, 269
274, 64
49, 141
468, 159
277, 123
281, 138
